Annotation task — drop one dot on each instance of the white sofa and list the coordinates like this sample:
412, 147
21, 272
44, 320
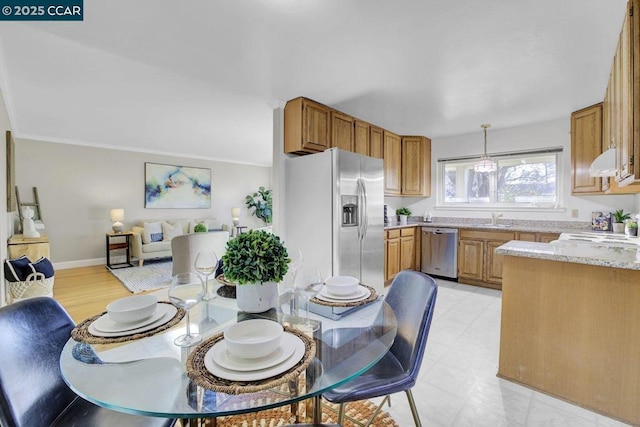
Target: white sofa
143, 248
185, 248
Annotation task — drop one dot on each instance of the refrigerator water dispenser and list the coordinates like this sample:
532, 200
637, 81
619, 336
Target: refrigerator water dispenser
349, 211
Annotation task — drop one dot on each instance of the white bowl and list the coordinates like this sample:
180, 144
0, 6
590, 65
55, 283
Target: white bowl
253, 338
342, 285
132, 309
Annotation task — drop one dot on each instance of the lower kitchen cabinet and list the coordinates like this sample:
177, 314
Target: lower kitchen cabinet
477, 262
399, 251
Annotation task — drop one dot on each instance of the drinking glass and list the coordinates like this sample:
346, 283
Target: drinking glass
205, 264
307, 285
186, 290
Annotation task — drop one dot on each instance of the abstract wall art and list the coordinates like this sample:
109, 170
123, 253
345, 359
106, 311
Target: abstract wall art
170, 186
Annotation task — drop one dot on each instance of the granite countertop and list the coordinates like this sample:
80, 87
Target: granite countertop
503, 225
626, 255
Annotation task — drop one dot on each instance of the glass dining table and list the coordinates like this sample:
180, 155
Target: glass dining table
148, 376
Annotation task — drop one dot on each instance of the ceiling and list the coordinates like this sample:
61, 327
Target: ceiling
200, 78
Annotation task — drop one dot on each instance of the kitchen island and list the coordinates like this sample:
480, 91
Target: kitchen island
571, 322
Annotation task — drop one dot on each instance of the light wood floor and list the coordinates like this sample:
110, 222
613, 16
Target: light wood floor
86, 291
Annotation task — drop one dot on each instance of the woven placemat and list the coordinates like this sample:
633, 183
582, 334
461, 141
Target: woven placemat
199, 374
355, 412
370, 298
81, 332
223, 280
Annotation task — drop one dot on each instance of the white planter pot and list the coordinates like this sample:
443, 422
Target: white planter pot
256, 297
403, 219
618, 227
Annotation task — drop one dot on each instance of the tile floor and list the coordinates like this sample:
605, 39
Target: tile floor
458, 384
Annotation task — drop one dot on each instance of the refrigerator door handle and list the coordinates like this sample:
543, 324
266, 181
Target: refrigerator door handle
363, 209
359, 219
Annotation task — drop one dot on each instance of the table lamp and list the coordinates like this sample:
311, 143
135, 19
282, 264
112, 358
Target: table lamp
235, 214
117, 216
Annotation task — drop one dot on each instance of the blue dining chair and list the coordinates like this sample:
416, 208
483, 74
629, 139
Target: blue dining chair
412, 297
32, 391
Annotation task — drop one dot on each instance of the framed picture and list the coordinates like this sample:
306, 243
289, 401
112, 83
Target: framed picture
182, 187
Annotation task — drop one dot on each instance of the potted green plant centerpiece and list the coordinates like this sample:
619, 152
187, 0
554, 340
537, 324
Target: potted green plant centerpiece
403, 213
618, 220
256, 261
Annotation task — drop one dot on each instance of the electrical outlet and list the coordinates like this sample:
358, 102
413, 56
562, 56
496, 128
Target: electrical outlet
574, 213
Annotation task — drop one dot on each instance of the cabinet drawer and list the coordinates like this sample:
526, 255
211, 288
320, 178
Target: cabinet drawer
487, 235
411, 231
393, 234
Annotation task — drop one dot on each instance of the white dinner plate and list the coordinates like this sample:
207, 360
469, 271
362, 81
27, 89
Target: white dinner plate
259, 374
362, 293
167, 311
105, 324
225, 359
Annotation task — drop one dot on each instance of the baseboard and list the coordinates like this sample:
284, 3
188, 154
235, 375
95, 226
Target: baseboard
80, 263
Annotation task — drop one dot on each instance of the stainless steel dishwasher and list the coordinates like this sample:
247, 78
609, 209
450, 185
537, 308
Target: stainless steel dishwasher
440, 251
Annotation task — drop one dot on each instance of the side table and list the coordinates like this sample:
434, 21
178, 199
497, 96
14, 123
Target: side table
32, 247
117, 241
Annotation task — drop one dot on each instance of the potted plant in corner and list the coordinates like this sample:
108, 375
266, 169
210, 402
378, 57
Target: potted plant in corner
618, 220
256, 261
262, 202
403, 213
631, 227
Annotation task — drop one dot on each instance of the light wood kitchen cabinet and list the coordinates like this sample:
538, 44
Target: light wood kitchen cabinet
407, 249
416, 166
376, 142
307, 126
392, 163
530, 236
586, 145
342, 131
392, 254
477, 262
362, 138
400, 251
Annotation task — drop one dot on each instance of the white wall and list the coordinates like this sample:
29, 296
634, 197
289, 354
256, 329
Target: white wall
78, 185
5, 230
556, 133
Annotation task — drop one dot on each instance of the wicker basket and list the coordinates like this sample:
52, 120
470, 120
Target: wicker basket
35, 286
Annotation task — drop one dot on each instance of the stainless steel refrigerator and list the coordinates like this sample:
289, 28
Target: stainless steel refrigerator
334, 204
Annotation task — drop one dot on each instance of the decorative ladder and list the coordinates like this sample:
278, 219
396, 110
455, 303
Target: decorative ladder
35, 204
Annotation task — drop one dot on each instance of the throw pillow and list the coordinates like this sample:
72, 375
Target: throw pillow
152, 232
17, 270
170, 231
44, 266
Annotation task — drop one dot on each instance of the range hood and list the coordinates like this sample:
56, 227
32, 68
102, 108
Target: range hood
604, 164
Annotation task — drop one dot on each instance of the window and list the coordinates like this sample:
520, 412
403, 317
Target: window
523, 180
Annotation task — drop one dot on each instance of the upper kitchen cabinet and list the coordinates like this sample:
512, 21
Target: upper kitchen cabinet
307, 126
392, 159
342, 131
376, 142
586, 145
416, 166
362, 138
621, 123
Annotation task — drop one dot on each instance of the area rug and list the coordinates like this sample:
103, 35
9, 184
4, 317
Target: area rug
355, 412
152, 275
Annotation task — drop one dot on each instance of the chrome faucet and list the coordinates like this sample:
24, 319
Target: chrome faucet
494, 218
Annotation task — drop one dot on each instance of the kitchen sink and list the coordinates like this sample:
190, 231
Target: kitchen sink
489, 225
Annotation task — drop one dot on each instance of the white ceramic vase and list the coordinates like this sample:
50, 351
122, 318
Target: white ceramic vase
403, 219
256, 297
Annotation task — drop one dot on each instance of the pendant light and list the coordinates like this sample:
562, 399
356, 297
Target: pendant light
485, 164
